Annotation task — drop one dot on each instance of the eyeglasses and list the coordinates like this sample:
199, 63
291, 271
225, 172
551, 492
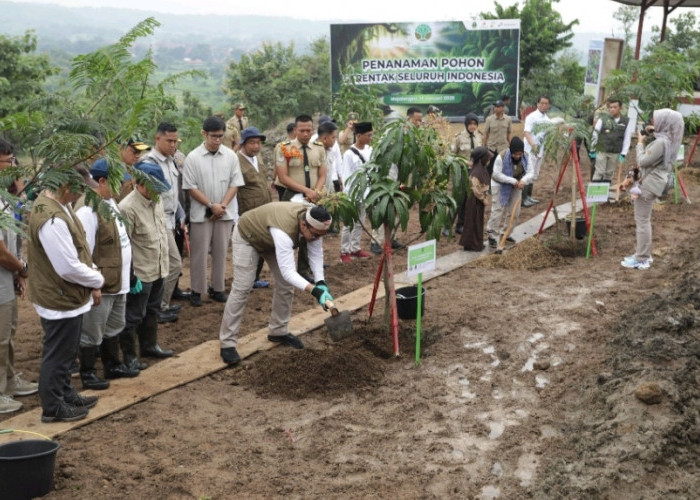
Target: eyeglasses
314, 235
216, 137
137, 152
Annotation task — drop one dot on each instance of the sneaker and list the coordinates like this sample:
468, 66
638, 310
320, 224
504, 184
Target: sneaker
65, 413
361, 254
631, 258
261, 284
79, 401
345, 258
17, 386
635, 264
8, 405
195, 299
288, 340
375, 248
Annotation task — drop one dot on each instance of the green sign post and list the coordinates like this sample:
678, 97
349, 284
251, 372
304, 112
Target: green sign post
596, 192
421, 257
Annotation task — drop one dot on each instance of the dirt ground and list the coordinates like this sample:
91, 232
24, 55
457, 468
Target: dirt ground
544, 375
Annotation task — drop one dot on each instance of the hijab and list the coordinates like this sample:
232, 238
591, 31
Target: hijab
668, 128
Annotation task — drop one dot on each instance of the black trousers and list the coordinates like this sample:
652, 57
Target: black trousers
145, 303
61, 341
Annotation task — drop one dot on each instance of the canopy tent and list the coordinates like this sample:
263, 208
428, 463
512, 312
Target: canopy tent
668, 6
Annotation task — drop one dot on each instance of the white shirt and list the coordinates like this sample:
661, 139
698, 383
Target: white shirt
88, 218
284, 252
58, 245
352, 162
535, 118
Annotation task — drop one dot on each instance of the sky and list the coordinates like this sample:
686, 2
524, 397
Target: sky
593, 15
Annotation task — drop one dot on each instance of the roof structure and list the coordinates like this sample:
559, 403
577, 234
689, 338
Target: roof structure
668, 5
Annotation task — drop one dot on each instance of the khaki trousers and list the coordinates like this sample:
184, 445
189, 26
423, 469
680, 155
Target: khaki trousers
642, 217
8, 327
203, 237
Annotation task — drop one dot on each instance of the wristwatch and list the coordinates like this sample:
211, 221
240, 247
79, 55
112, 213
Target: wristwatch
25, 270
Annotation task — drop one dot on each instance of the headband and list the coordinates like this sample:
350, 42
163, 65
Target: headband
315, 223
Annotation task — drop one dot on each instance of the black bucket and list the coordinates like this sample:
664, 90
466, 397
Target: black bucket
26, 468
580, 231
407, 302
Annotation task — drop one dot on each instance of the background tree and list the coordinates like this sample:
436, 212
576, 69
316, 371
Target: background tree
542, 32
627, 16
562, 81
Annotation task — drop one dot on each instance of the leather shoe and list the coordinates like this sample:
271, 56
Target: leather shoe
195, 299
180, 295
167, 317
156, 351
79, 401
175, 308
135, 364
289, 340
375, 248
395, 245
218, 297
120, 371
230, 356
90, 380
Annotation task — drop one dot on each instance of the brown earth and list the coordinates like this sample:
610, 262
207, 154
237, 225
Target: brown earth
526, 388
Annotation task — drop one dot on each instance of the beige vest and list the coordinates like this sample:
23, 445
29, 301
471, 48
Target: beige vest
47, 288
256, 191
254, 226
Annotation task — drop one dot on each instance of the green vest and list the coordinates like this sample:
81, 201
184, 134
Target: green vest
254, 226
46, 288
612, 134
256, 191
107, 254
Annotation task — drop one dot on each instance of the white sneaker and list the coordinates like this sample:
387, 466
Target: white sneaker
650, 260
635, 264
17, 386
8, 405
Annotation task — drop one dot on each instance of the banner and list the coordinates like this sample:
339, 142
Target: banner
591, 85
459, 67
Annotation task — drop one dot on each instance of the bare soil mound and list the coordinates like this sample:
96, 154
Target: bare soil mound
531, 254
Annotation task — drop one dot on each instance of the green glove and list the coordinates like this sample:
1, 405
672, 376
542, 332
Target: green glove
322, 294
135, 285
592, 155
621, 158
324, 285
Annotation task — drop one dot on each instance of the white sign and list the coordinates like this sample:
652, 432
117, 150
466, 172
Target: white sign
421, 257
597, 192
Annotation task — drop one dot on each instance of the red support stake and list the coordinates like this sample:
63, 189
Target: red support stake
692, 150
377, 279
556, 190
392, 290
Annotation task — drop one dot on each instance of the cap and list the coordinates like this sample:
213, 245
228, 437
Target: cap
155, 174
239, 105
324, 119
136, 143
499, 103
251, 133
101, 169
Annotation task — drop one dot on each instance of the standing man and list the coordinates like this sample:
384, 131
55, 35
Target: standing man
511, 173
533, 146
497, 132
143, 211
63, 285
110, 248
353, 159
273, 231
162, 155
13, 272
291, 131
236, 124
328, 137
212, 177
256, 190
611, 141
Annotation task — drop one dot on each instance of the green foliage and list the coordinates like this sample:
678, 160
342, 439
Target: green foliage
281, 83
352, 98
422, 167
558, 136
542, 32
562, 81
627, 16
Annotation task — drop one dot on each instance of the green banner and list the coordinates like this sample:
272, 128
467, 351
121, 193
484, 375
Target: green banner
459, 67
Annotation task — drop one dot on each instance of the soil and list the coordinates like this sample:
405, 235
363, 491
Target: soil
543, 375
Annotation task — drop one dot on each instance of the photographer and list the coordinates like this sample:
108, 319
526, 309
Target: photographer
655, 164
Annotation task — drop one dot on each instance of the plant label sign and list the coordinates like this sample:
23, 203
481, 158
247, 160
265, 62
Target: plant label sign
597, 192
421, 257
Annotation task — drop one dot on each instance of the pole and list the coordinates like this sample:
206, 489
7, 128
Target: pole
556, 190
577, 168
590, 232
377, 278
418, 316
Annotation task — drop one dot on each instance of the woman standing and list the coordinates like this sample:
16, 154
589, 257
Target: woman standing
655, 164
479, 180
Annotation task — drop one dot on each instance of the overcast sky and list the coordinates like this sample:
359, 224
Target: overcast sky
593, 15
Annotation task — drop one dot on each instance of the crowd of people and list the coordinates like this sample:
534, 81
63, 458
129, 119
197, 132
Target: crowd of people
104, 275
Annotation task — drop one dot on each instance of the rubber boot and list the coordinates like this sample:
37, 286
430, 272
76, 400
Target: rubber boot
148, 338
88, 375
113, 367
128, 345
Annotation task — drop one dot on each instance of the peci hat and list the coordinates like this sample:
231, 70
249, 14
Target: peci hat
101, 169
239, 105
363, 127
251, 133
155, 175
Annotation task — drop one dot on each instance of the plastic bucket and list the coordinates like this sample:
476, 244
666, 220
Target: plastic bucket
580, 231
407, 302
26, 468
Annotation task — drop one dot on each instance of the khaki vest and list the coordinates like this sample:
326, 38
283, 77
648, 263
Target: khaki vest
47, 288
254, 226
256, 191
107, 254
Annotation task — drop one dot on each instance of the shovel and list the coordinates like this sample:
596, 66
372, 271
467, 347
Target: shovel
339, 324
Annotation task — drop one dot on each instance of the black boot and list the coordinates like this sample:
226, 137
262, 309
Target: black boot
148, 338
113, 367
88, 375
128, 345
